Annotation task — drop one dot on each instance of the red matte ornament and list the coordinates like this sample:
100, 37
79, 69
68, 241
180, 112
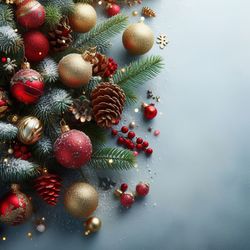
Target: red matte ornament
142, 189
127, 200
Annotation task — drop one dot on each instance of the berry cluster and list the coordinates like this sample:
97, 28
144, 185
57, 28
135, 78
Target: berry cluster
21, 151
111, 67
128, 139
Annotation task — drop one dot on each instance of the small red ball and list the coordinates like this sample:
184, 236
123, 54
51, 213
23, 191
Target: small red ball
139, 140
4, 59
149, 151
139, 146
131, 134
73, 149
36, 46
114, 132
124, 187
127, 200
30, 14
142, 189
124, 129
150, 112
113, 9
120, 140
145, 144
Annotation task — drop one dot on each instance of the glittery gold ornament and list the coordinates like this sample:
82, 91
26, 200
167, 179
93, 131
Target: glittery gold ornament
81, 199
29, 130
74, 71
138, 38
83, 18
92, 225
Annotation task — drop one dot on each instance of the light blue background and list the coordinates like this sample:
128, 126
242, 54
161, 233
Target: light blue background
199, 174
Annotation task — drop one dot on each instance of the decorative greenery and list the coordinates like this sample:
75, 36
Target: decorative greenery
43, 149
49, 70
137, 73
113, 158
53, 15
6, 16
8, 132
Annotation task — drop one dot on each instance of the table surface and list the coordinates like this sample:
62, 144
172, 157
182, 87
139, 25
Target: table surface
199, 173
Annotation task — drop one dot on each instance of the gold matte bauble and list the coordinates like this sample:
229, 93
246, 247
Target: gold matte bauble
83, 18
74, 71
81, 199
138, 39
92, 225
29, 130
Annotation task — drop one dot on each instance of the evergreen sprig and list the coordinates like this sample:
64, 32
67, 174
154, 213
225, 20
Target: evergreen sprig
102, 32
65, 6
8, 131
6, 16
17, 170
137, 73
49, 70
113, 158
43, 149
53, 16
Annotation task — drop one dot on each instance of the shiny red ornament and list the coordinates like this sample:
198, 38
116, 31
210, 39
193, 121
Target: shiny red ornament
73, 149
113, 9
15, 207
150, 111
36, 46
127, 200
30, 14
142, 189
27, 86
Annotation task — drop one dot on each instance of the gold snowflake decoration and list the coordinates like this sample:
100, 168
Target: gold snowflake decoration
162, 40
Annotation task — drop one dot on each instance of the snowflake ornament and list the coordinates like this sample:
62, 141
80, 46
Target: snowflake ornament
162, 40
10, 65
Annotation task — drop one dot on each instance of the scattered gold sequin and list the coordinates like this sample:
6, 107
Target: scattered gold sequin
135, 13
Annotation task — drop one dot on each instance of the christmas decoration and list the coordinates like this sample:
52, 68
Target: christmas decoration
74, 70
20, 150
36, 46
15, 207
4, 103
48, 187
127, 200
150, 111
104, 66
124, 187
92, 225
60, 38
83, 18
81, 199
40, 225
27, 85
142, 189
9, 65
138, 38
108, 101
162, 40
148, 12
106, 183
113, 9
73, 148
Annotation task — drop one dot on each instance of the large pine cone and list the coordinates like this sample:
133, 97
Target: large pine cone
48, 187
107, 101
60, 38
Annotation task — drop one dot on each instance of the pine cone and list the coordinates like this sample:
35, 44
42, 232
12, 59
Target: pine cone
104, 67
81, 109
107, 101
146, 11
48, 187
60, 38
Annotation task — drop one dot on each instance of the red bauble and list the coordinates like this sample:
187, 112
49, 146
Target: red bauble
127, 200
73, 149
30, 14
113, 9
142, 189
27, 86
150, 111
36, 46
15, 207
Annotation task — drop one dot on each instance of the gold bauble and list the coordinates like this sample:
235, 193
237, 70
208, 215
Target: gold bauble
83, 18
74, 71
138, 39
29, 130
81, 199
92, 225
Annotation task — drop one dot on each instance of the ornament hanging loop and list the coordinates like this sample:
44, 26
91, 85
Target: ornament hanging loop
90, 55
64, 127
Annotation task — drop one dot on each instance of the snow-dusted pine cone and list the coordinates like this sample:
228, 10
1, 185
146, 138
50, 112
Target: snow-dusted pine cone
107, 102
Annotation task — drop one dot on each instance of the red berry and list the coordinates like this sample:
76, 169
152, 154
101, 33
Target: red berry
142, 189
149, 151
139, 140
116, 122
124, 129
114, 132
131, 134
4, 59
17, 154
139, 146
150, 112
127, 200
120, 140
131, 145
25, 157
24, 149
136, 153
124, 187
145, 144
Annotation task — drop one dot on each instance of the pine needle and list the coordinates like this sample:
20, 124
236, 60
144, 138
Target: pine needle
8, 131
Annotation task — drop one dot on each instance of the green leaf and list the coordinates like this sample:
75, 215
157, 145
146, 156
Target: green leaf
136, 74
113, 158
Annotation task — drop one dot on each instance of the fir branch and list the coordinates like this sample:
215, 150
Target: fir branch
84, 1
102, 32
17, 170
8, 131
113, 158
137, 73
94, 81
65, 6
10, 41
43, 149
52, 105
53, 16
49, 70
6, 16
